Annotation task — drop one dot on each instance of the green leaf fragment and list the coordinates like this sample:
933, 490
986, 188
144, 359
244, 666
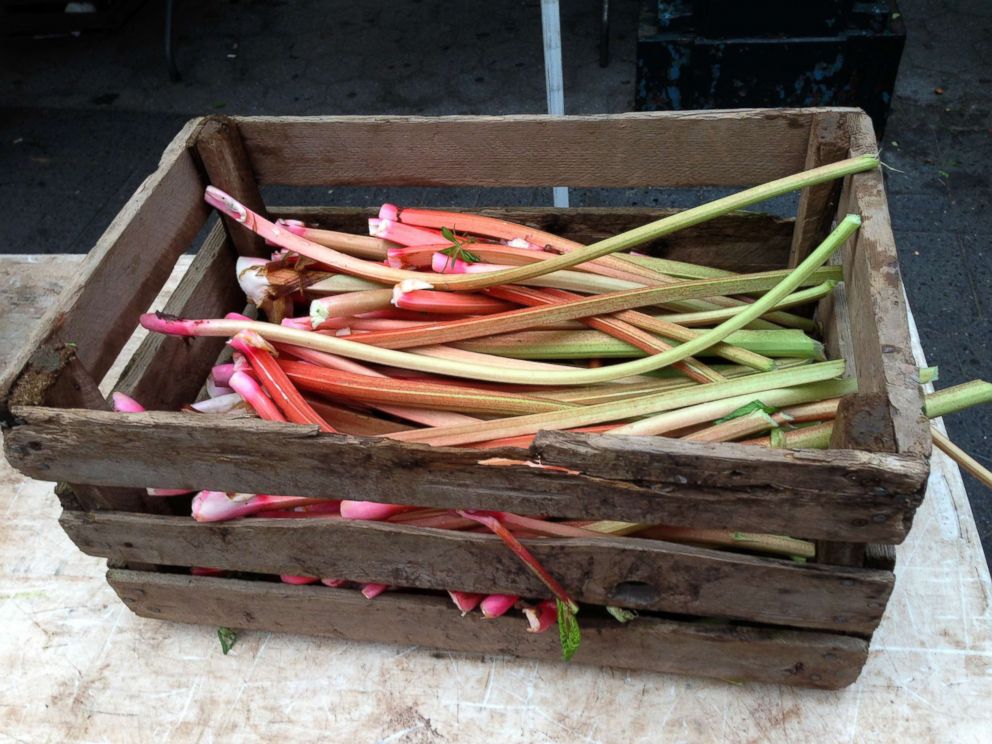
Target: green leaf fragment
227, 639
569, 634
754, 405
778, 438
621, 615
798, 558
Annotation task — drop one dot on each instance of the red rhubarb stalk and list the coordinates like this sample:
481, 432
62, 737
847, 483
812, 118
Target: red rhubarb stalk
260, 355
497, 527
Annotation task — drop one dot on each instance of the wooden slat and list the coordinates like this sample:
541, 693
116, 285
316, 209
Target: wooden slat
742, 241
223, 156
804, 659
877, 306
829, 141
121, 275
643, 574
207, 290
757, 492
725, 148
661, 460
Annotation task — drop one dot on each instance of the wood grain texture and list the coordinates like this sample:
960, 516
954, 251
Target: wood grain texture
877, 306
829, 141
119, 278
628, 572
746, 242
222, 153
234, 455
694, 148
799, 658
207, 290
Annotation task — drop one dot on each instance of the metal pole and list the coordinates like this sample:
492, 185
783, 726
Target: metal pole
551, 26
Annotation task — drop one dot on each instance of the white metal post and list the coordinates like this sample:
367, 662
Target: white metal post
554, 84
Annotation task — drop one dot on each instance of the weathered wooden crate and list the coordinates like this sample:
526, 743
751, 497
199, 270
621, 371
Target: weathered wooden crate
766, 619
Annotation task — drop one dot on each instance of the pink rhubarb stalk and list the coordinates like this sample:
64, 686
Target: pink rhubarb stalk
465, 601
396, 232
297, 580
260, 355
126, 404
497, 605
360, 246
244, 385
218, 506
542, 617
371, 591
371, 510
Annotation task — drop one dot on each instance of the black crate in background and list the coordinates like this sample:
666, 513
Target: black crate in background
700, 54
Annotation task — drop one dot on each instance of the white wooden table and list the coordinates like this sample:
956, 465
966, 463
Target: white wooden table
78, 666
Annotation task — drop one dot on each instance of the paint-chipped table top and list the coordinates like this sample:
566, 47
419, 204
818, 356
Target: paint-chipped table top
78, 666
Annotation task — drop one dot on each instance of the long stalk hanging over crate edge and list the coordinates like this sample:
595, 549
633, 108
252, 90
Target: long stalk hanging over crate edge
282, 237
364, 352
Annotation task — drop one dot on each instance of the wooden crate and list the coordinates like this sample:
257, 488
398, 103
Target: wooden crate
765, 619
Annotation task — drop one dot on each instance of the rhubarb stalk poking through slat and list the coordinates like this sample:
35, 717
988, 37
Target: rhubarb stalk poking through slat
542, 617
126, 404
218, 506
497, 605
523, 554
465, 601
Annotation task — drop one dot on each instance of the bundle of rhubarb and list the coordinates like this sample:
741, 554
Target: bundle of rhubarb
454, 329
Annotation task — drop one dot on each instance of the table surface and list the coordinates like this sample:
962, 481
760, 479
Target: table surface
80, 667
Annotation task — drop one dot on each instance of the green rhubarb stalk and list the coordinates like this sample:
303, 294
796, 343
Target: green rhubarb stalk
678, 269
568, 344
633, 318
624, 409
707, 317
614, 302
816, 436
736, 428
757, 542
712, 410
957, 398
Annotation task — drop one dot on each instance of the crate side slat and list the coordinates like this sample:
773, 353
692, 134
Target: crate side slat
207, 290
235, 455
222, 154
877, 306
628, 572
96, 315
695, 148
740, 241
800, 658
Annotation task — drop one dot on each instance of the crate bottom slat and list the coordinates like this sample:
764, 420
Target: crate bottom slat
731, 653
